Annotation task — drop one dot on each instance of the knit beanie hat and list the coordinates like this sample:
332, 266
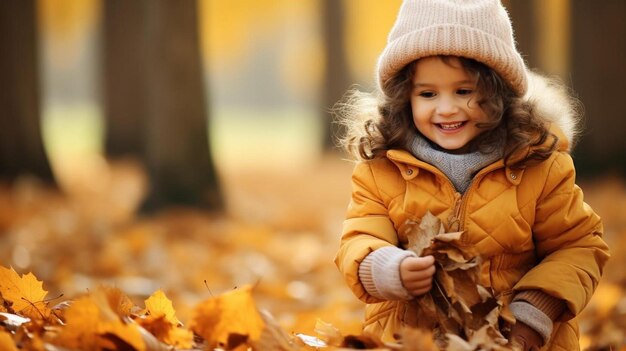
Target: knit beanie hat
476, 29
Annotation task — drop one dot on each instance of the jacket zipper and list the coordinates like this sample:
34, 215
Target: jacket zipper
464, 199
460, 200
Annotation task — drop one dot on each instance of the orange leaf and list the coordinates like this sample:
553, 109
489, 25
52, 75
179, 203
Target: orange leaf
162, 322
25, 293
158, 304
92, 325
234, 312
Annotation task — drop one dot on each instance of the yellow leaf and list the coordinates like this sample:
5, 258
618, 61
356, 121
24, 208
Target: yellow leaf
162, 322
158, 304
25, 293
6, 342
92, 325
235, 312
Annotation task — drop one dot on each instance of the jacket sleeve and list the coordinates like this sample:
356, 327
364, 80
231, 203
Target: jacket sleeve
568, 241
367, 227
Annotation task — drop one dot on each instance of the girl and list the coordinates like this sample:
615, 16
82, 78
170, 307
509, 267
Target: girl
456, 131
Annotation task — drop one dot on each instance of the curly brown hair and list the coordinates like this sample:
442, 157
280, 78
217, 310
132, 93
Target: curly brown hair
377, 124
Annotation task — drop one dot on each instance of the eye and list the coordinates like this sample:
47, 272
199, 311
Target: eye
464, 91
427, 94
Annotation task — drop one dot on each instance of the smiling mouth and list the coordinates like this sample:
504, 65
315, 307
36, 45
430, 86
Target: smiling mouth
451, 126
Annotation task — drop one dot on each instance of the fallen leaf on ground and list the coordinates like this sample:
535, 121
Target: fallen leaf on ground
161, 322
232, 313
90, 324
25, 293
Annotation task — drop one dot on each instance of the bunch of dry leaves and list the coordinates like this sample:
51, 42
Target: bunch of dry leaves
463, 314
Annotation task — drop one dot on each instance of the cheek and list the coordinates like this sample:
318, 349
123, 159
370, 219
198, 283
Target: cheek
421, 114
420, 122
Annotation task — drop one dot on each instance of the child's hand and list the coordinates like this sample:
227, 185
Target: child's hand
416, 274
524, 338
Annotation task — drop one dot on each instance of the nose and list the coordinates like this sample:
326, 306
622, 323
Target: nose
447, 107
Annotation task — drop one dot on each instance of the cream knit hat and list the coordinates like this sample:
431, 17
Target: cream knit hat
476, 29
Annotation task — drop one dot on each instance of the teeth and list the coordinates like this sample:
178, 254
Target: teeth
450, 125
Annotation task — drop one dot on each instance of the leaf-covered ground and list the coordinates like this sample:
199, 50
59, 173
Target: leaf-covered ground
277, 239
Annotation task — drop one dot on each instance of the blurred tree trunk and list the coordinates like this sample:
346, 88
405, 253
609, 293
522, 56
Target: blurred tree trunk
21, 145
125, 56
599, 77
598, 74
156, 96
337, 74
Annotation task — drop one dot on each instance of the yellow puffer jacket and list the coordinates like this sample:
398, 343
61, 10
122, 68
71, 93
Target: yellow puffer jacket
531, 227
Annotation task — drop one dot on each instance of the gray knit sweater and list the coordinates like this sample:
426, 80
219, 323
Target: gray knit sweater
459, 168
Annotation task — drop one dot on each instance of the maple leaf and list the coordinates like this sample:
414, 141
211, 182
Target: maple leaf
234, 312
159, 304
25, 293
462, 314
161, 321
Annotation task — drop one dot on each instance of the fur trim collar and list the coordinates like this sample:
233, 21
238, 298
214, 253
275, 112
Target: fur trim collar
552, 102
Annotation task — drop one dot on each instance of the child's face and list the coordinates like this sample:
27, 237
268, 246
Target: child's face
444, 103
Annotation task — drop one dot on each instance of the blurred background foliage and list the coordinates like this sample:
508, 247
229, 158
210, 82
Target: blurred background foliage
273, 68
230, 98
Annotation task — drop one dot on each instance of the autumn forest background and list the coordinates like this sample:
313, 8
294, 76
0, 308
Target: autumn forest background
187, 146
